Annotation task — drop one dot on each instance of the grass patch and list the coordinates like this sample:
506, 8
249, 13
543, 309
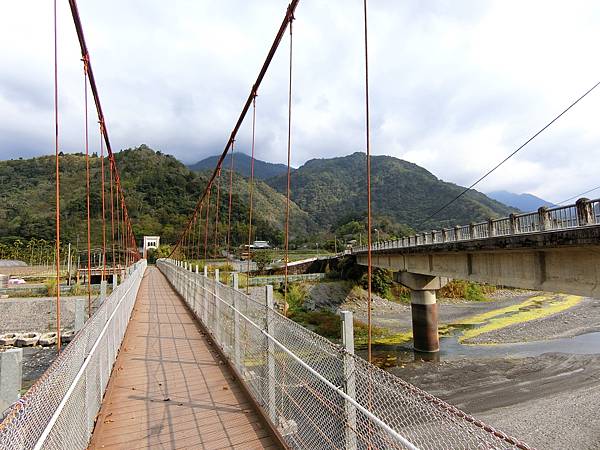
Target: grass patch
379, 335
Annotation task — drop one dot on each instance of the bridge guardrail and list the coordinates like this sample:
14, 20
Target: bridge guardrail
59, 410
315, 393
583, 213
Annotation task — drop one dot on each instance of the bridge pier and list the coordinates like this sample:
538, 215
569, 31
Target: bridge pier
423, 304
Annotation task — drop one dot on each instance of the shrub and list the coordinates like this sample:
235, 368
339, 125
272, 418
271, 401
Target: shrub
225, 268
466, 289
262, 258
381, 281
51, 286
77, 289
295, 297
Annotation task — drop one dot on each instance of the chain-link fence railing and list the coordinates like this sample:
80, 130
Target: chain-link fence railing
318, 395
59, 410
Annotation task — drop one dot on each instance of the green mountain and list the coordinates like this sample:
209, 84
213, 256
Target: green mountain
333, 191
242, 165
160, 192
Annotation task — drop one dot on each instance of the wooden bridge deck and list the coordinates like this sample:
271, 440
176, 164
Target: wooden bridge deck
169, 388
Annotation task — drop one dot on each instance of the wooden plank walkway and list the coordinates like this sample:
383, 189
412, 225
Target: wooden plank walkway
169, 388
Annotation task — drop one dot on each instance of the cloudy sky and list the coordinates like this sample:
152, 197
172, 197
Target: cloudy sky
456, 85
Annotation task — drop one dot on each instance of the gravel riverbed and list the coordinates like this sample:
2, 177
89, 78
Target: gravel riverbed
549, 401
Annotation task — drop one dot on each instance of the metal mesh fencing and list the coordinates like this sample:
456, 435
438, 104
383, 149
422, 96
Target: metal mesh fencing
59, 410
314, 392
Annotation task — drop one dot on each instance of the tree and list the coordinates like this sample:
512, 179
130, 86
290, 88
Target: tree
262, 258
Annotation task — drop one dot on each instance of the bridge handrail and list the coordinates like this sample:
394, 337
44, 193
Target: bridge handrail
314, 392
581, 214
60, 408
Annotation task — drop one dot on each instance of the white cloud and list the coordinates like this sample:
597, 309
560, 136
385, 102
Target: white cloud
456, 86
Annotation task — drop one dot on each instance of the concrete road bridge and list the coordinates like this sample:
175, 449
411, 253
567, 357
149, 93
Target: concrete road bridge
552, 249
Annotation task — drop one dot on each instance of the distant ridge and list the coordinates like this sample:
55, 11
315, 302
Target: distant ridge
241, 164
333, 189
524, 202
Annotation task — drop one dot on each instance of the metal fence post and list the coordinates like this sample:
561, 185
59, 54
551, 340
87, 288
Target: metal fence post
271, 382
236, 322
191, 287
217, 321
204, 300
350, 378
181, 276
80, 314
103, 285
11, 369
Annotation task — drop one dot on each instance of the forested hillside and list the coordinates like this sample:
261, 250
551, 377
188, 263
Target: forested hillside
332, 190
160, 192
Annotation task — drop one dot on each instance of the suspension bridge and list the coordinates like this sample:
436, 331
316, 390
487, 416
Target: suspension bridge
175, 357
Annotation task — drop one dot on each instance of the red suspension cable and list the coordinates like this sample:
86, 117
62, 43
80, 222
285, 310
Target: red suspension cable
251, 187
87, 184
103, 206
57, 161
229, 210
206, 224
199, 229
369, 219
112, 217
289, 173
217, 207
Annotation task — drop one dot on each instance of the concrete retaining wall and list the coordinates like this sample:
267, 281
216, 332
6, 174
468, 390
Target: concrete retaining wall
39, 314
